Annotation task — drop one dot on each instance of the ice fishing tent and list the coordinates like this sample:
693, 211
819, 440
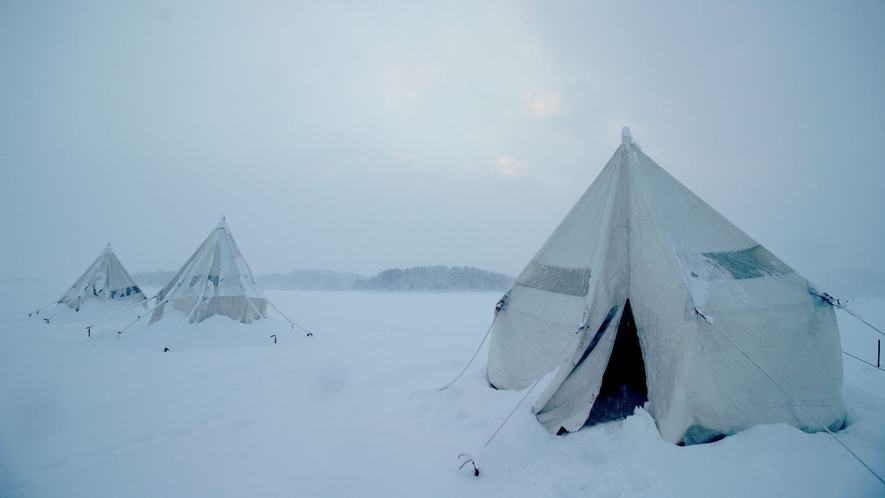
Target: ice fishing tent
106, 280
646, 292
215, 280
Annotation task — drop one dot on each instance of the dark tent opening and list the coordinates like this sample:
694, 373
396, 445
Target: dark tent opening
623, 383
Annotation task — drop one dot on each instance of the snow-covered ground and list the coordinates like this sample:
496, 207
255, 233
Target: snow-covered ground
355, 411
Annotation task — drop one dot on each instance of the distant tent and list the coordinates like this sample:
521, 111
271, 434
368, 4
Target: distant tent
672, 304
214, 281
105, 280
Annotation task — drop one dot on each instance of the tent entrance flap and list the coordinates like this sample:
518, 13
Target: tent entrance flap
623, 383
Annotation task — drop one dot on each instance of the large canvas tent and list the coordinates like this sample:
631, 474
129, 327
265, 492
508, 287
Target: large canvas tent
645, 292
105, 280
215, 280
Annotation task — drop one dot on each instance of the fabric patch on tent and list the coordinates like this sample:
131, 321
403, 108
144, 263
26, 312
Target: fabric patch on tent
555, 279
128, 291
754, 262
750, 263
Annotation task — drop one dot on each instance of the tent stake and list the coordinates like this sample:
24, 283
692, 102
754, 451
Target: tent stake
470, 461
879, 353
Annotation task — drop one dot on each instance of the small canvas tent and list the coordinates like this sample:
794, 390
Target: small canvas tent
645, 292
215, 280
106, 280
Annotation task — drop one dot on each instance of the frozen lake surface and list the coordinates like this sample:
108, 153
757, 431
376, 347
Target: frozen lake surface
355, 411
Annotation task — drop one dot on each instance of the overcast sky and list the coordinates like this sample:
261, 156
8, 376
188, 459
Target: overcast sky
368, 135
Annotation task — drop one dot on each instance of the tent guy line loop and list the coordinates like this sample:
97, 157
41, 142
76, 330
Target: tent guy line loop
782, 388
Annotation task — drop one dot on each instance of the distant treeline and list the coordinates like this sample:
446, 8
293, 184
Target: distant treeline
422, 278
324, 280
435, 278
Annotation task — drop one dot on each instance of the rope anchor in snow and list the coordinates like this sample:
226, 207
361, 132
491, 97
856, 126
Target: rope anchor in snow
469, 459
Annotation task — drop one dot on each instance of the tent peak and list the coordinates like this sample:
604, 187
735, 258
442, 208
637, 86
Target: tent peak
215, 280
627, 138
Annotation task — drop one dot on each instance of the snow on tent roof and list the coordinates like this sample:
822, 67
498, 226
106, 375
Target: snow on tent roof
215, 280
105, 280
670, 300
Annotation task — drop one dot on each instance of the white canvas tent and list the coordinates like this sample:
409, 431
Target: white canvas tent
105, 280
215, 280
645, 291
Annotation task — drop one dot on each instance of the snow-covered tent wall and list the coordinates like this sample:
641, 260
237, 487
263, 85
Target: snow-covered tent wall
215, 280
105, 280
715, 314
